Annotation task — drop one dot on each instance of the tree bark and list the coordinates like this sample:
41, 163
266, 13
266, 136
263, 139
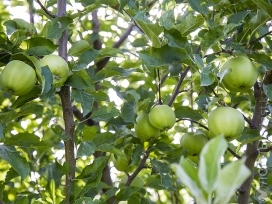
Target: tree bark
67, 109
252, 150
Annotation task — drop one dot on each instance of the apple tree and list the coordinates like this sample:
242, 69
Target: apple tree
110, 101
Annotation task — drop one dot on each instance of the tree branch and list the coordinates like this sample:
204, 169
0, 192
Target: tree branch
46, 10
176, 91
102, 63
67, 110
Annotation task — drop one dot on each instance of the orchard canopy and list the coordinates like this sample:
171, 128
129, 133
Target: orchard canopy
79, 79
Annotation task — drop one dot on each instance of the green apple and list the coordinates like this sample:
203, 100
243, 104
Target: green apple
162, 117
239, 74
144, 130
136, 182
227, 121
18, 78
120, 163
58, 67
193, 143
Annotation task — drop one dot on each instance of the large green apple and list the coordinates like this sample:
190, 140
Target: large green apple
58, 67
239, 74
144, 130
18, 78
193, 143
227, 121
162, 117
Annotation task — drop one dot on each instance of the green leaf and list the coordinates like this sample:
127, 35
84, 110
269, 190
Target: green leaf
164, 56
26, 140
105, 113
110, 52
185, 172
126, 192
151, 30
87, 200
199, 6
105, 138
127, 111
54, 29
266, 7
76, 81
112, 71
39, 46
26, 109
250, 135
47, 79
190, 24
22, 200
268, 91
262, 59
79, 47
164, 169
86, 149
167, 19
230, 179
211, 37
209, 163
207, 77
110, 149
187, 112
16, 24
85, 59
85, 99
94, 170
21, 100
13, 157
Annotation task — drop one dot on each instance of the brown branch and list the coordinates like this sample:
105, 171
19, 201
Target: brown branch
67, 110
97, 44
193, 121
234, 153
102, 63
252, 151
268, 149
176, 91
46, 10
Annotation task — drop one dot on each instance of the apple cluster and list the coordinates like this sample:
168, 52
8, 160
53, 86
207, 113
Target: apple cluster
238, 74
19, 78
149, 126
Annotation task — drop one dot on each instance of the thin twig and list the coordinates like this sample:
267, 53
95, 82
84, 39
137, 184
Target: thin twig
234, 154
196, 122
46, 10
176, 91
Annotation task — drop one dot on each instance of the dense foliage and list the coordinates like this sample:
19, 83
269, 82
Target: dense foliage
77, 143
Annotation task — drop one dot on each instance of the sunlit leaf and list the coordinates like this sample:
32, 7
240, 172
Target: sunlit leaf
230, 179
209, 163
13, 157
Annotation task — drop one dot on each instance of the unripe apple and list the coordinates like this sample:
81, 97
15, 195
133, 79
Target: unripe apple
58, 67
136, 182
162, 117
18, 78
120, 163
144, 130
193, 143
227, 121
239, 74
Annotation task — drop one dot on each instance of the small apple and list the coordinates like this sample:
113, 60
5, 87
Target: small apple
162, 117
227, 121
18, 78
144, 130
193, 143
239, 74
58, 67
136, 182
120, 163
